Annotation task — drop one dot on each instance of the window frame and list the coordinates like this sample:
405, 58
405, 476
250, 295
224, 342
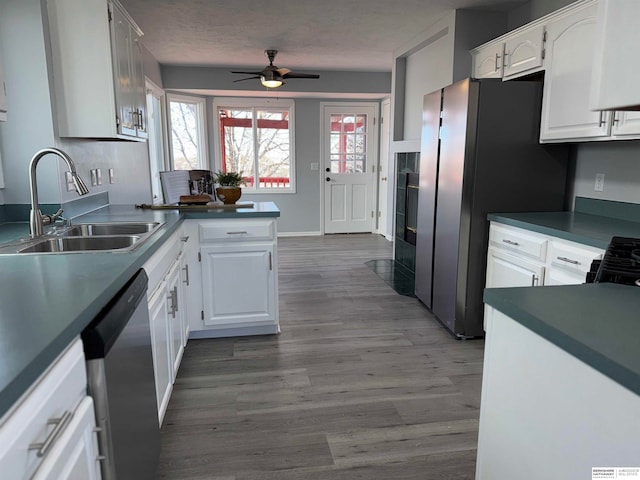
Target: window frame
257, 103
203, 145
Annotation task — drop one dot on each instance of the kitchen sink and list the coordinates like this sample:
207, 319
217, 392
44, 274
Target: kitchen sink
100, 229
87, 237
78, 244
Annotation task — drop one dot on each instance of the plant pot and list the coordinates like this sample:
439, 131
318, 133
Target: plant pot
229, 195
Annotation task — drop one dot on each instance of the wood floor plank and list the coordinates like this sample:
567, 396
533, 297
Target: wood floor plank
362, 383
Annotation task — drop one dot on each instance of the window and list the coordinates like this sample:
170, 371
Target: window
257, 139
187, 132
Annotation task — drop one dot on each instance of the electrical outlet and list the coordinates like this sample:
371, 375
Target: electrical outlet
94, 177
69, 180
99, 176
112, 178
599, 185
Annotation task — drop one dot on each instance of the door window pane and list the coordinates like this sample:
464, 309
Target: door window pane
348, 137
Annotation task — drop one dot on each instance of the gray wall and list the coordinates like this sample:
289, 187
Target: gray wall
31, 126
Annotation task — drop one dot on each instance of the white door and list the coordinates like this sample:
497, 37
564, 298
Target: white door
384, 226
349, 160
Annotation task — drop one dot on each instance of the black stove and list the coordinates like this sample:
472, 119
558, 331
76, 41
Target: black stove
620, 264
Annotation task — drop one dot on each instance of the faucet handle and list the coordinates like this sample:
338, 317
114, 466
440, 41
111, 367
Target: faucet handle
49, 219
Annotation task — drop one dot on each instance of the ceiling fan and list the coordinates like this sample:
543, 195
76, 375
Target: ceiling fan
272, 76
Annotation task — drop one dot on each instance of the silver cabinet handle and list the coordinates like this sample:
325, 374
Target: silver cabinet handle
510, 242
186, 274
172, 297
270, 261
60, 424
602, 121
237, 233
534, 280
175, 299
497, 67
615, 118
568, 260
184, 239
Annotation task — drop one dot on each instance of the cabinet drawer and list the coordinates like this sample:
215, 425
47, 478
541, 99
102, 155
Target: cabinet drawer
572, 256
37, 416
515, 239
238, 231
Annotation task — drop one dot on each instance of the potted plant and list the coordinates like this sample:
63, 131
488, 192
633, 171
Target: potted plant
229, 190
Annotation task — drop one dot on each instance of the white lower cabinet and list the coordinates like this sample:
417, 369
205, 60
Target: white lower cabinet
49, 433
505, 270
74, 457
233, 275
167, 306
240, 284
521, 258
161, 346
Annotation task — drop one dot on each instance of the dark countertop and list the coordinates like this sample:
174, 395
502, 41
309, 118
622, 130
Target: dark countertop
597, 323
46, 300
593, 230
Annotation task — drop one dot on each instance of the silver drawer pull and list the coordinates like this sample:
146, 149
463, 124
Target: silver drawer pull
184, 239
510, 242
186, 274
236, 233
534, 280
568, 260
60, 424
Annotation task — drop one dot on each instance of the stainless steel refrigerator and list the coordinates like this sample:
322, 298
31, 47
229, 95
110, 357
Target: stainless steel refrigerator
480, 154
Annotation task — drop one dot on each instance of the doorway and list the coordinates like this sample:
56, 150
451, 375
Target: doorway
349, 159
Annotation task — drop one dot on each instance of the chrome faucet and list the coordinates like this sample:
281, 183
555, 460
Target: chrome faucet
37, 220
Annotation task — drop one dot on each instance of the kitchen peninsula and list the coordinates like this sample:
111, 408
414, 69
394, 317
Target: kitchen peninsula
48, 299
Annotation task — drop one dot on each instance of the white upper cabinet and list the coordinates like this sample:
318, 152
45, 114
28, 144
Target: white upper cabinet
565, 106
97, 70
3, 96
615, 64
487, 61
524, 52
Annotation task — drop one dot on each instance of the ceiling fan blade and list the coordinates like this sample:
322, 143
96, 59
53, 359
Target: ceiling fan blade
248, 78
283, 71
300, 75
250, 73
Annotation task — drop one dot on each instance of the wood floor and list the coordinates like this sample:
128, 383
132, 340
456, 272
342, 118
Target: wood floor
362, 383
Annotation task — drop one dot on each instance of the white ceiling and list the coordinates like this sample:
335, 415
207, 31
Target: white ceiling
358, 35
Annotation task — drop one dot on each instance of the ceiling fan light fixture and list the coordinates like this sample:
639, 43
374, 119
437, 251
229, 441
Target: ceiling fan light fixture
270, 80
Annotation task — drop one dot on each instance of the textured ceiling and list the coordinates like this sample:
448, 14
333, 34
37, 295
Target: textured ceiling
309, 34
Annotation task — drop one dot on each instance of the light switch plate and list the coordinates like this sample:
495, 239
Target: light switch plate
112, 178
315, 166
99, 176
94, 177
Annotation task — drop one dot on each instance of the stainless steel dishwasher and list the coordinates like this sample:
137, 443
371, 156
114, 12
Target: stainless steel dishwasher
117, 346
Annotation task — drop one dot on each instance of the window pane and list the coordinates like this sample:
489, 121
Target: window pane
185, 135
272, 136
238, 152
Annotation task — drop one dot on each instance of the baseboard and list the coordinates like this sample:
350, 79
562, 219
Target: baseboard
299, 234
235, 332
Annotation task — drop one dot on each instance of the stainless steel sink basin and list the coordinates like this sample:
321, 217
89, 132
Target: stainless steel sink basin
99, 229
78, 244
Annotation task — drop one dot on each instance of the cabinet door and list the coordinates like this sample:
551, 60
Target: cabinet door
121, 46
139, 99
174, 318
567, 85
487, 62
616, 69
504, 270
626, 123
75, 453
524, 52
238, 284
162, 365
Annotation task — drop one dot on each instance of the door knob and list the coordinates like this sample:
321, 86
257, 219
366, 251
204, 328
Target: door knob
328, 179
327, 169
